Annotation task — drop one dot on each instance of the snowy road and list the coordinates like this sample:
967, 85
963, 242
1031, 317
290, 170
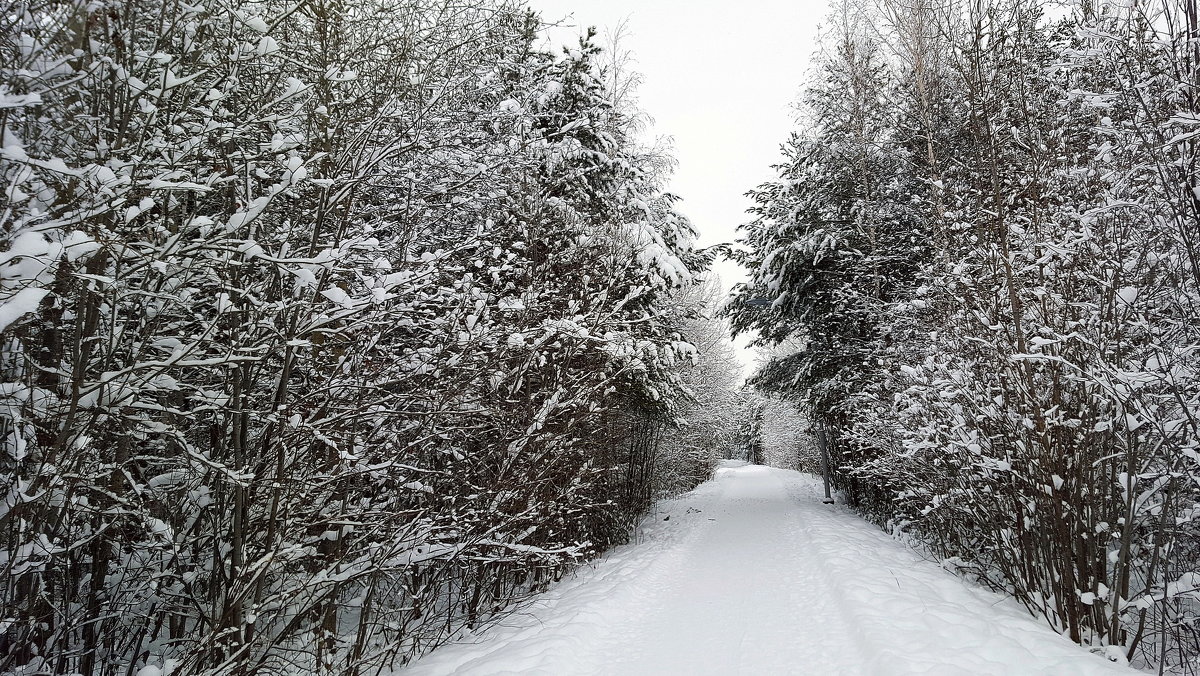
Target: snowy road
752, 575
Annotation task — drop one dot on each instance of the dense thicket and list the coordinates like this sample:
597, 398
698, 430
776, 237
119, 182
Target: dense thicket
328, 328
706, 422
984, 244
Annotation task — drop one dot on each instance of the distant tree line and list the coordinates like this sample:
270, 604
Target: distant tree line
328, 328
984, 246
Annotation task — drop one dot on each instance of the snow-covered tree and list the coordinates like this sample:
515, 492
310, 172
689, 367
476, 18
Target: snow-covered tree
327, 328
994, 296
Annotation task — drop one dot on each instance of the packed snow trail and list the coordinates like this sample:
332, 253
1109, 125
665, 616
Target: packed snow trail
750, 574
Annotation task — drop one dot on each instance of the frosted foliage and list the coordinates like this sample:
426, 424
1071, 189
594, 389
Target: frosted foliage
327, 329
981, 249
786, 438
705, 425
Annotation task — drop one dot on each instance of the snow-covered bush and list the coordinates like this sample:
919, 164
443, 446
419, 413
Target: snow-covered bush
705, 424
327, 328
994, 287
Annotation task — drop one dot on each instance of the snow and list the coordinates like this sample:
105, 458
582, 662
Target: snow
20, 304
154, 670
256, 23
9, 100
337, 296
751, 574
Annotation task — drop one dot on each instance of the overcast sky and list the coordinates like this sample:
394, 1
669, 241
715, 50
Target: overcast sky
720, 78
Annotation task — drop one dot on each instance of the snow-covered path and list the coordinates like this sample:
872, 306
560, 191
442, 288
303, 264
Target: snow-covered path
752, 575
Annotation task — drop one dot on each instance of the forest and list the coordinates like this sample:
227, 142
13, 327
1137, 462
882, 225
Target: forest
329, 328
982, 257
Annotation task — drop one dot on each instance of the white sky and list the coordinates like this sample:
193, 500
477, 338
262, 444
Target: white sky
720, 78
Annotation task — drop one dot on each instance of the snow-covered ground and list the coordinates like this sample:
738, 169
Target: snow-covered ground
750, 574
